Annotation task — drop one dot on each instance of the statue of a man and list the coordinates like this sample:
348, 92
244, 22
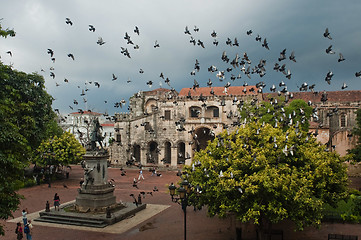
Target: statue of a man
96, 135
87, 175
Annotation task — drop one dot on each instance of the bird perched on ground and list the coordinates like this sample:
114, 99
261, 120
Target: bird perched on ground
135, 183
91, 28
135, 200
155, 189
65, 186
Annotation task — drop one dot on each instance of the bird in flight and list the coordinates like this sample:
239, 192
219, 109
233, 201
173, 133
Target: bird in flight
68, 21
91, 28
341, 58
326, 34
156, 44
114, 77
136, 30
186, 31
51, 52
71, 56
329, 50
100, 41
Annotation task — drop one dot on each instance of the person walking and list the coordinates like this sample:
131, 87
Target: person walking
19, 231
140, 174
56, 201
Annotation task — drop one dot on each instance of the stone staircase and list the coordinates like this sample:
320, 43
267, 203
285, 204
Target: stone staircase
99, 220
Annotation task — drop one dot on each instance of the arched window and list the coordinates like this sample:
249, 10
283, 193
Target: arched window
343, 120
194, 112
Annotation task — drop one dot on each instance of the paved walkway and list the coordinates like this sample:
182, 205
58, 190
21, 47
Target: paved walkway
162, 219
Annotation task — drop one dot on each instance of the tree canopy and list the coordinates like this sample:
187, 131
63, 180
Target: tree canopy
264, 174
62, 150
26, 118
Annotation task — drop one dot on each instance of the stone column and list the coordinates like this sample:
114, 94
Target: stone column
143, 155
188, 151
174, 157
161, 155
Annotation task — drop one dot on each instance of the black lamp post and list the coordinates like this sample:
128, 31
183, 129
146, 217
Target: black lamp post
183, 192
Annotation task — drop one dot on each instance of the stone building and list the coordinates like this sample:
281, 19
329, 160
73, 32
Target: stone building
166, 128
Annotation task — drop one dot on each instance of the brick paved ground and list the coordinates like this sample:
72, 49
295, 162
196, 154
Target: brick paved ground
167, 224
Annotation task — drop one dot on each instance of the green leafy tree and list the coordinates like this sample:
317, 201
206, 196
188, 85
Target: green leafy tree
60, 151
26, 118
263, 174
278, 113
356, 151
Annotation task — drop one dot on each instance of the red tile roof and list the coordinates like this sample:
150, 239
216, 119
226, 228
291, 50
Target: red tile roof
218, 91
332, 96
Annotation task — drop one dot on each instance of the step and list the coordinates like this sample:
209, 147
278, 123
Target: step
66, 222
61, 218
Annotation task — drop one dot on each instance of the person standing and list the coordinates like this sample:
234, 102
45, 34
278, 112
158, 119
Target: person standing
25, 218
19, 231
140, 174
28, 231
56, 201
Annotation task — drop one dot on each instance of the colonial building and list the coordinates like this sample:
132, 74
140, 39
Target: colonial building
164, 127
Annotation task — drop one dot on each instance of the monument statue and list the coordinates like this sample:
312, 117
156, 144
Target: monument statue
96, 136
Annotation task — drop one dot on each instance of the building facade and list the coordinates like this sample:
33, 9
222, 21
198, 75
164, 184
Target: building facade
166, 128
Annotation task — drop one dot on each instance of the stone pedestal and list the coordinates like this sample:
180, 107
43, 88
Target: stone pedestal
96, 194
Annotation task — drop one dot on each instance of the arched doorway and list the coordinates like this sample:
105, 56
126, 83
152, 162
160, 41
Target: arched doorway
201, 137
153, 153
167, 153
136, 153
181, 151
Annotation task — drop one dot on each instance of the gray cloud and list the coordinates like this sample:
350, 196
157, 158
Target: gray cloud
295, 25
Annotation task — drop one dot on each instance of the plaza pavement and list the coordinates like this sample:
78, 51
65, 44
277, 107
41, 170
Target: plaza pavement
162, 218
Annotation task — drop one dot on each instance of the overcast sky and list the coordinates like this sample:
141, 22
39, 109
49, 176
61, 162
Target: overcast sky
293, 25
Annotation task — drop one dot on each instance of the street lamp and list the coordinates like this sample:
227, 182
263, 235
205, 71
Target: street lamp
183, 192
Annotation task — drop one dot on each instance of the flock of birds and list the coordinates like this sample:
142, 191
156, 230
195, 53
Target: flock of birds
241, 62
